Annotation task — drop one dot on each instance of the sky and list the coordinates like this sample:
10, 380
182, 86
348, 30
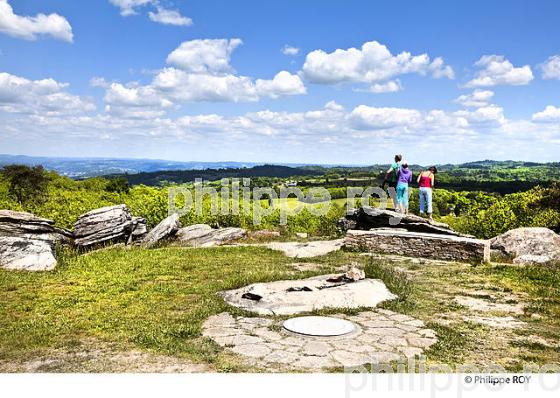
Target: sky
326, 82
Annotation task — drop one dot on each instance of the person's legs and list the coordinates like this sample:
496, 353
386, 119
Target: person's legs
393, 195
422, 194
401, 192
405, 199
429, 202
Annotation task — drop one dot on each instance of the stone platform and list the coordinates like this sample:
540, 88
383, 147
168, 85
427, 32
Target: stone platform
418, 244
381, 336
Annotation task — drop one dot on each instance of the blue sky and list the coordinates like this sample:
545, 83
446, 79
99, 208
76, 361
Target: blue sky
439, 81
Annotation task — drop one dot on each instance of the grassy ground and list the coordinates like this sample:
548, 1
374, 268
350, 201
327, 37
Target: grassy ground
156, 300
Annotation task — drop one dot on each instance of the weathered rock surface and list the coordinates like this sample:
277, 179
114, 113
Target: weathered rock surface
202, 235
18, 253
367, 217
416, 244
292, 297
27, 226
307, 249
139, 228
111, 223
528, 245
264, 233
165, 229
27, 242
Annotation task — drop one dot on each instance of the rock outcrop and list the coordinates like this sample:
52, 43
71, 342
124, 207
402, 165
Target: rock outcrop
419, 244
139, 229
165, 229
366, 218
528, 245
305, 295
28, 242
202, 235
107, 224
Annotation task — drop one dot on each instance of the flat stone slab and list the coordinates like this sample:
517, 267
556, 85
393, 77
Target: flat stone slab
481, 305
419, 244
319, 326
497, 322
380, 336
306, 295
306, 249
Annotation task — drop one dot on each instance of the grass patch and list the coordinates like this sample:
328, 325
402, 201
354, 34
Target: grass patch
157, 300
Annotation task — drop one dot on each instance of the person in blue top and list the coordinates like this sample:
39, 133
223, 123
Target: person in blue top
404, 177
391, 177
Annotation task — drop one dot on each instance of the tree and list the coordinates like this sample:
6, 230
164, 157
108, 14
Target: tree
26, 183
118, 185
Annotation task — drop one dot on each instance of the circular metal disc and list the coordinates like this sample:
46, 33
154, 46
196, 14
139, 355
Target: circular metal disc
319, 326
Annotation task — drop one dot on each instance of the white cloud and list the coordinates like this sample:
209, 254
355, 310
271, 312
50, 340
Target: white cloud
169, 17
29, 28
366, 117
496, 70
551, 68
161, 15
438, 69
372, 64
391, 86
364, 134
128, 7
490, 114
550, 114
46, 96
284, 83
290, 50
201, 71
477, 99
204, 56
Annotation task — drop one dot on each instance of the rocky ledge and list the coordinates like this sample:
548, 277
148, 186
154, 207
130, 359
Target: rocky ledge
28, 242
366, 218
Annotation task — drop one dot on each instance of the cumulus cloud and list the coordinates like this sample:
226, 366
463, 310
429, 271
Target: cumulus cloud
372, 64
496, 70
550, 114
200, 71
391, 86
491, 114
477, 99
290, 50
551, 68
30, 28
284, 83
366, 117
46, 96
367, 133
161, 15
204, 56
129, 7
169, 17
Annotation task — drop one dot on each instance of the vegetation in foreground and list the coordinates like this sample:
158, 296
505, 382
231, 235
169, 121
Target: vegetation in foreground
156, 301
478, 213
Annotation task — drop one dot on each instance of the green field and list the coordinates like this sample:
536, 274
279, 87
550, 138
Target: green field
156, 300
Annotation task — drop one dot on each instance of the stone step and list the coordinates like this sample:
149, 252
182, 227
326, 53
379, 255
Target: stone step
419, 244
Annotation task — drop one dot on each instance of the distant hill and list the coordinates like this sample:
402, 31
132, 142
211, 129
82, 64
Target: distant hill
184, 176
92, 167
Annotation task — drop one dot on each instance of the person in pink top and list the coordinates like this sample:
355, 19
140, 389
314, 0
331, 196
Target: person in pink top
426, 181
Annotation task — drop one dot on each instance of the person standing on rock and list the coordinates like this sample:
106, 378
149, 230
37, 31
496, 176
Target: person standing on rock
426, 182
391, 177
404, 177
